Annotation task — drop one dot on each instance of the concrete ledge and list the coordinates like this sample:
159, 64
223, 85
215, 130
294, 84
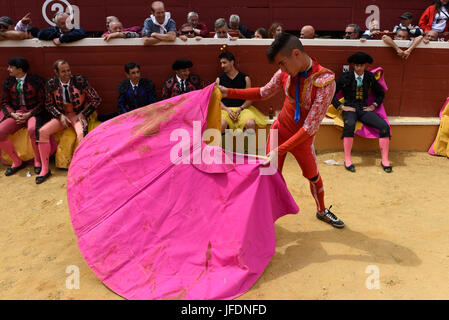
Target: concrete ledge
407, 133
394, 121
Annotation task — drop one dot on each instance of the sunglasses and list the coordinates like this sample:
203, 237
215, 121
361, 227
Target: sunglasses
188, 32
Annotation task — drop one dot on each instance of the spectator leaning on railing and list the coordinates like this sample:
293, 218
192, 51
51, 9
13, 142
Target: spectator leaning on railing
110, 19
63, 32
159, 26
116, 31
402, 35
373, 30
187, 31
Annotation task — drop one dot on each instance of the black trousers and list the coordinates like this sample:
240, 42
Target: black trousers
369, 118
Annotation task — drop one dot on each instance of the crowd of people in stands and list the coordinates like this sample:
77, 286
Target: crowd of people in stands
160, 27
46, 107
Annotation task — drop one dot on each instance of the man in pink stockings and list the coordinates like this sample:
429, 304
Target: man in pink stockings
22, 100
70, 99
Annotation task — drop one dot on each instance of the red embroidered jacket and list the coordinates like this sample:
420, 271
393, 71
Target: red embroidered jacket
316, 93
33, 91
84, 98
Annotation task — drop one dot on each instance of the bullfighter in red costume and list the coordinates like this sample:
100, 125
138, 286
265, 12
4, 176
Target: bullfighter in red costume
309, 89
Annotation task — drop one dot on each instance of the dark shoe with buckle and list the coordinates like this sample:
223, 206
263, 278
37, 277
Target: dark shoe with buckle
329, 217
40, 179
37, 170
387, 169
10, 171
350, 168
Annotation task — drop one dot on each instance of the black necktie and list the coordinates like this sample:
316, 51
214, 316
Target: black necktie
66, 93
183, 86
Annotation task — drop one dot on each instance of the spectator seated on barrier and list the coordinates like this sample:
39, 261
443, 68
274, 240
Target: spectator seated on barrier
307, 32
402, 35
237, 114
159, 27
187, 32
222, 31
22, 103
7, 31
373, 31
355, 87
63, 32
261, 33
199, 28
182, 81
109, 19
352, 31
242, 30
72, 102
430, 35
436, 17
406, 24
116, 31
275, 29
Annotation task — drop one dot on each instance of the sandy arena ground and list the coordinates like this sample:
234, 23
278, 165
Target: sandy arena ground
397, 222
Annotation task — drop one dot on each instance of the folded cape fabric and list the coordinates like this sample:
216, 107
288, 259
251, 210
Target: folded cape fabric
153, 222
440, 147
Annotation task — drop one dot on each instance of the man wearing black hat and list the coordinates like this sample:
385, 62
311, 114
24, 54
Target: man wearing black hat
182, 81
355, 86
406, 24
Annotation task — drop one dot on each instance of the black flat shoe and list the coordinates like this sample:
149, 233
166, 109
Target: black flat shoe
40, 179
10, 171
350, 168
387, 169
37, 170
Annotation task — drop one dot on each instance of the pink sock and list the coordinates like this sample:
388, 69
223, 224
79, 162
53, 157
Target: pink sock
37, 157
347, 145
384, 144
44, 150
8, 147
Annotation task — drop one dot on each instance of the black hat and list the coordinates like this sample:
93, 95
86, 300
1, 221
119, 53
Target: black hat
360, 58
406, 15
182, 64
6, 21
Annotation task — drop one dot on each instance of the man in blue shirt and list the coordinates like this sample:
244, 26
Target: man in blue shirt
159, 26
61, 33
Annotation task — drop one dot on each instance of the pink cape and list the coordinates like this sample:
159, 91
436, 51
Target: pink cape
152, 229
446, 104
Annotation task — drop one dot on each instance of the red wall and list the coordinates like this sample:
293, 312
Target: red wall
327, 15
417, 86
